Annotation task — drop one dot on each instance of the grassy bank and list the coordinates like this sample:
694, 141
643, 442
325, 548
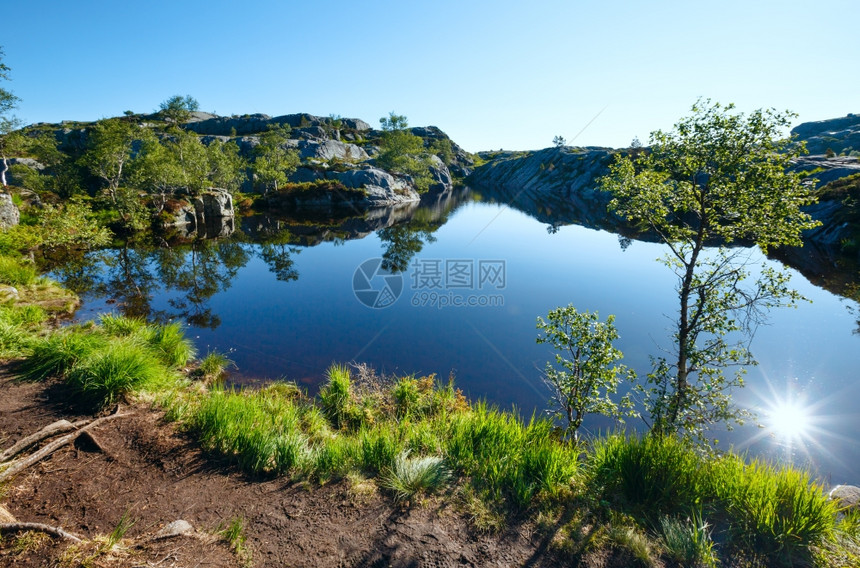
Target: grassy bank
419, 440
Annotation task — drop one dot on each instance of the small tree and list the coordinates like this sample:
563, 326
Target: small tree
719, 178
8, 122
586, 374
178, 109
559, 142
403, 152
273, 161
109, 151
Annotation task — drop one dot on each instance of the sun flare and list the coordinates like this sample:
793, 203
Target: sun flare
789, 419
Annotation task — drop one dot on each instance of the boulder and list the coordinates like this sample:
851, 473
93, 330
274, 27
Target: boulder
442, 180
213, 204
846, 496
330, 150
381, 187
9, 214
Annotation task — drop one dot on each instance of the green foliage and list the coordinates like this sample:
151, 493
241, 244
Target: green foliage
718, 177
109, 151
213, 365
273, 161
586, 374
15, 272
177, 108
778, 513
410, 476
14, 340
634, 541
403, 152
170, 344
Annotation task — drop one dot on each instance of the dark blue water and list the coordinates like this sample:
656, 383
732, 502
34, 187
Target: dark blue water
287, 309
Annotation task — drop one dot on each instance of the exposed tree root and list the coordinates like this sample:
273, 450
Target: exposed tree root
49, 431
15, 467
55, 531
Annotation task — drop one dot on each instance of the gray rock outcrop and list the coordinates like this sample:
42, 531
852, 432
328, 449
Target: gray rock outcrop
837, 134
381, 187
330, 150
213, 204
567, 174
9, 214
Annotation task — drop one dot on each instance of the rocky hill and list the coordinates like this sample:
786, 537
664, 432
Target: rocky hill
838, 135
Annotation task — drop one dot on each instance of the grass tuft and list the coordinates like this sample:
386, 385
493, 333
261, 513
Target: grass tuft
410, 476
688, 542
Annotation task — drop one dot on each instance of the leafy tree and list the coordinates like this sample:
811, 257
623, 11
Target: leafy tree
109, 151
559, 141
719, 178
225, 164
403, 152
8, 122
586, 373
273, 161
177, 109
191, 159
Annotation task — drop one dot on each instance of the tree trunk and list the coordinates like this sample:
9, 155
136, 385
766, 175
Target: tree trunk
3, 172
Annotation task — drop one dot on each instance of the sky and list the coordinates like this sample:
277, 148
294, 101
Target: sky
498, 74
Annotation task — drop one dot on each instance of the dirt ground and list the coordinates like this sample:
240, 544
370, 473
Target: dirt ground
156, 475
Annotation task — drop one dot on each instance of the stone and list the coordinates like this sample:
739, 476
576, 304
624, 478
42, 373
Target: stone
442, 180
174, 529
213, 204
381, 187
8, 293
330, 150
847, 496
9, 214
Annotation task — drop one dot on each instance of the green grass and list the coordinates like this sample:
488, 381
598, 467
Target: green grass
120, 367
16, 272
688, 541
779, 513
213, 365
410, 476
648, 477
56, 354
171, 345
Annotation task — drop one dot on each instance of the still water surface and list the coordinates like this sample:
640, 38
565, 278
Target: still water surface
279, 297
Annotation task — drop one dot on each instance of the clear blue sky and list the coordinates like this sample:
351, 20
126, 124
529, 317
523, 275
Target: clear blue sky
492, 74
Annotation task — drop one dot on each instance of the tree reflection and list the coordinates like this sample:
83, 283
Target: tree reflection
404, 240
198, 273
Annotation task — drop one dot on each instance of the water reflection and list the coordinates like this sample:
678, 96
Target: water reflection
189, 271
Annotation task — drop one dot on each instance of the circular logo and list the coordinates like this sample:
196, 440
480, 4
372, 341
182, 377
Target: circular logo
376, 286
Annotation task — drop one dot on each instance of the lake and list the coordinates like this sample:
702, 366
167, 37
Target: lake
454, 287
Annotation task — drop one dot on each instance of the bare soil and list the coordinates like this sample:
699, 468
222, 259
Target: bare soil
143, 466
